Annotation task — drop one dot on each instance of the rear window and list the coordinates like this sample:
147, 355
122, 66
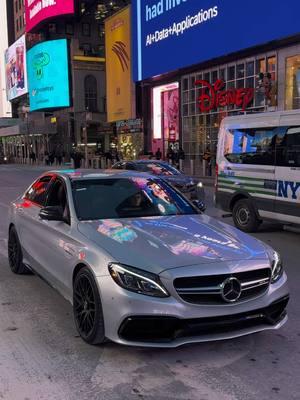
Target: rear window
250, 146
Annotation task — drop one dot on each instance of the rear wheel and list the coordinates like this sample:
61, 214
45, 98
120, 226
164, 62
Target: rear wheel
15, 255
245, 217
87, 308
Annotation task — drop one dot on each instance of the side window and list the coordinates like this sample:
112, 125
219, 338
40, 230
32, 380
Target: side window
288, 147
251, 146
58, 197
38, 191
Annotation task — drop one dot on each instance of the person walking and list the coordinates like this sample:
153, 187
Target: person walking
170, 155
77, 157
158, 154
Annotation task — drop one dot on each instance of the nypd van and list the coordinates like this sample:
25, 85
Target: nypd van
258, 168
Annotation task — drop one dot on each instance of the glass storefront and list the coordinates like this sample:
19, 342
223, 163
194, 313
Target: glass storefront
292, 83
245, 86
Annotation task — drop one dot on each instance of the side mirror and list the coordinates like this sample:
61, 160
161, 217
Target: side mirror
200, 205
52, 213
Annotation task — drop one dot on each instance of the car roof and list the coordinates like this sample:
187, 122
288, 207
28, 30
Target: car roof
89, 174
146, 161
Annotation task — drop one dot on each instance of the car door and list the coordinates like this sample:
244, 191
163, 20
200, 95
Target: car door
56, 248
288, 174
28, 219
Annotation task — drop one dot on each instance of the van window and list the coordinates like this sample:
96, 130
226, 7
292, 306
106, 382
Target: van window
288, 147
250, 146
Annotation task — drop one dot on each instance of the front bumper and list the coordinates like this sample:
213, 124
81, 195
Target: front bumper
138, 320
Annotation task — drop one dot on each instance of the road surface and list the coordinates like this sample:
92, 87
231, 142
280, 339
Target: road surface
42, 357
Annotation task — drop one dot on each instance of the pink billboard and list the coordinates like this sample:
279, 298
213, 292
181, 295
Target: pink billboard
37, 11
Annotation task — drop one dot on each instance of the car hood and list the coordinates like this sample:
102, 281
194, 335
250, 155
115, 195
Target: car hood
159, 243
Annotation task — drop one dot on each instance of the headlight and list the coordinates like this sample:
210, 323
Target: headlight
137, 281
200, 185
277, 267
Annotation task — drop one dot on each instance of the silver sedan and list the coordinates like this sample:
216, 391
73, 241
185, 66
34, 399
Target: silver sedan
141, 264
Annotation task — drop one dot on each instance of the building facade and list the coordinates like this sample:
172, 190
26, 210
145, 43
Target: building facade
184, 101
82, 122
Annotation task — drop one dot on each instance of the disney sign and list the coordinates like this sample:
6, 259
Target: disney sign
215, 97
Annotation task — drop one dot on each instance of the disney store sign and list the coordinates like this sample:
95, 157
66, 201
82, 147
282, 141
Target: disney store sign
215, 96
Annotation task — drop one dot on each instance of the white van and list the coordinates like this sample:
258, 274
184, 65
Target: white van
258, 168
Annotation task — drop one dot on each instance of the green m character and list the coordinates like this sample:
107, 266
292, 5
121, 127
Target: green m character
39, 62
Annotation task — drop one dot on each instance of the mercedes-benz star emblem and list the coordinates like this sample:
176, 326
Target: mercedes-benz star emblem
231, 290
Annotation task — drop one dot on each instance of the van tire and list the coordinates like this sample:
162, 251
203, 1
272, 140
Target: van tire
245, 217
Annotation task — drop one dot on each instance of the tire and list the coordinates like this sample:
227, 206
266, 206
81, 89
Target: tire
87, 308
245, 217
15, 255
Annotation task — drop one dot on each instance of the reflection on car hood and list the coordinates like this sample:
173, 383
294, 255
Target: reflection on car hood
159, 243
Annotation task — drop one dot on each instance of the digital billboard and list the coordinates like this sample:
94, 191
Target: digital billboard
120, 88
48, 75
15, 69
173, 34
37, 11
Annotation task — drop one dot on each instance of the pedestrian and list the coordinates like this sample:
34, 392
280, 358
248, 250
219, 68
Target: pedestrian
170, 155
46, 157
158, 154
32, 157
51, 158
77, 157
207, 158
181, 157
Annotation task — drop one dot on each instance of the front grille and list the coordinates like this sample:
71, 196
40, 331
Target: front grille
167, 329
208, 289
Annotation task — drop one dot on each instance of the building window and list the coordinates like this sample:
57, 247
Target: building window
90, 91
86, 29
69, 29
293, 83
17, 25
16, 6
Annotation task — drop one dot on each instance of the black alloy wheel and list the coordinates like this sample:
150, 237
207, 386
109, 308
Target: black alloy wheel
87, 308
15, 255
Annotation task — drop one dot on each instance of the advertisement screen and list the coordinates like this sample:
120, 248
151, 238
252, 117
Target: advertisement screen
120, 90
15, 69
37, 11
48, 75
173, 34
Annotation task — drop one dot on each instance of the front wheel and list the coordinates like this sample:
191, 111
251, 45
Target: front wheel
87, 308
245, 217
15, 255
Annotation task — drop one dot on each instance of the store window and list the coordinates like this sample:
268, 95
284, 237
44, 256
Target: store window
293, 83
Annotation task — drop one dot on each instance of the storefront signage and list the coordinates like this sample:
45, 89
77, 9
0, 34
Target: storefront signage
214, 96
48, 75
181, 33
15, 69
37, 11
130, 126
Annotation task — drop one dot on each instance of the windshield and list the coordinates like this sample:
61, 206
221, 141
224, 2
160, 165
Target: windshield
127, 198
158, 169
